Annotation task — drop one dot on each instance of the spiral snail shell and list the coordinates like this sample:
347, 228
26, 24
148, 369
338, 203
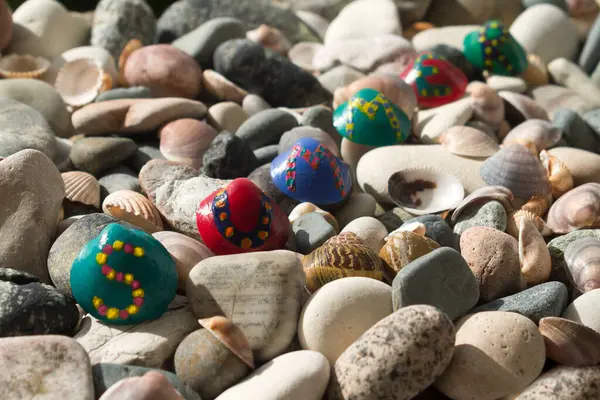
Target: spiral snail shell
403, 248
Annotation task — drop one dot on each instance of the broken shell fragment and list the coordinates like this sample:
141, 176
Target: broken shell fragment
23, 66
80, 81
231, 336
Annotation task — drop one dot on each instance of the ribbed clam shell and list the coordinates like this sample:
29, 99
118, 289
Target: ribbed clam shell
514, 222
577, 209
134, 208
23, 66
537, 205
515, 168
534, 256
339, 257
82, 187
559, 175
403, 248
582, 259
80, 81
469, 142
231, 336
422, 191
482, 195
569, 342
537, 131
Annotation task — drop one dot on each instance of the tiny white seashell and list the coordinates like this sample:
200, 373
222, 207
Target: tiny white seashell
415, 227
23, 66
134, 208
422, 191
82, 187
99, 54
80, 81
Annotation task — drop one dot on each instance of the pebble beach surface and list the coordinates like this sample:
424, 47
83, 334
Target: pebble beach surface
300, 200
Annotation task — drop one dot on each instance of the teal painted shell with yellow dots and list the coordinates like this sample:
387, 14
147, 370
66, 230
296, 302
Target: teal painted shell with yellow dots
124, 276
493, 49
371, 119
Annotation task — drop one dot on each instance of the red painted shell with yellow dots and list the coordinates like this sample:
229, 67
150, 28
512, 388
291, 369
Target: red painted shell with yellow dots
240, 218
434, 80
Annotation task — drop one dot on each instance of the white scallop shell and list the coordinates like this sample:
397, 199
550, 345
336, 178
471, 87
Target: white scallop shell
134, 208
101, 55
80, 81
422, 191
82, 187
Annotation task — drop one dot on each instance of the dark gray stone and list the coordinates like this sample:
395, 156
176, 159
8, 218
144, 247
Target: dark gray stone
228, 157
590, 54
390, 220
268, 74
437, 230
266, 128
549, 299
105, 375
119, 178
441, 279
98, 154
134, 92
266, 154
321, 117
311, 231
29, 307
491, 214
202, 42
261, 177
458, 59
143, 154
575, 131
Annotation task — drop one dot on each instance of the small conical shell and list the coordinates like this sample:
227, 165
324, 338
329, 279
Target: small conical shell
537, 205
534, 256
582, 258
339, 257
231, 336
515, 168
402, 249
514, 222
134, 208
578, 208
80, 81
558, 174
482, 195
469, 142
23, 66
542, 134
130, 47
81, 187
569, 342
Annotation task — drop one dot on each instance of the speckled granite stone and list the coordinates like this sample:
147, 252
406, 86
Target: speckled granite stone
565, 383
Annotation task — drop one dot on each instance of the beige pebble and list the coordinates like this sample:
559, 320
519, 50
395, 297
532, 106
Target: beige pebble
585, 310
370, 230
226, 116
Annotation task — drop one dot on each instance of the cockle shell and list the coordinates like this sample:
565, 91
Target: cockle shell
82, 187
341, 256
99, 54
403, 248
231, 336
515, 168
307, 208
469, 142
578, 208
542, 134
582, 258
569, 342
482, 195
134, 208
514, 222
558, 174
186, 140
414, 227
23, 66
537, 205
534, 256
80, 81
422, 191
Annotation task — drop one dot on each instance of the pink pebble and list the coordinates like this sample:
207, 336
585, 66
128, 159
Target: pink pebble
135, 284
138, 301
102, 310
128, 248
107, 249
106, 269
123, 314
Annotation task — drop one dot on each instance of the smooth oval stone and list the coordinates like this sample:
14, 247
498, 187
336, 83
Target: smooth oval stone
370, 230
311, 231
264, 155
545, 300
29, 307
205, 364
321, 117
473, 11
226, 116
107, 374
448, 35
119, 178
575, 131
340, 312
99, 154
582, 310
289, 139
273, 77
261, 292
266, 127
124, 276
254, 104
298, 375
593, 119
564, 383
397, 358
497, 353
438, 230
144, 153
228, 157
369, 118
134, 92
359, 205
583, 165
590, 53
441, 279
339, 77
202, 42
491, 214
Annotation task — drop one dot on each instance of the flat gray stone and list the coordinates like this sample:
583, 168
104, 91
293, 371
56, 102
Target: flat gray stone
491, 214
311, 231
99, 154
437, 229
266, 127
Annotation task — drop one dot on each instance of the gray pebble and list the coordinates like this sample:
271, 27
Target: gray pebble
266, 128
134, 92
228, 157
321, 117
98, 154
575, 131
266, 154
438, 230
311, 231
491, 214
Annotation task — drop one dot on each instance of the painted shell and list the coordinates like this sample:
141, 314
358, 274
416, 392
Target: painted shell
241, 218
186, 140
534, 255
483, 195
306, 208
22, 66
514, 222
515, 168
559, 175
341, 256
99, 54
403, 248
310, 172
569, 342
582, 258
577, 209
80, 81
493, 49
134, 208
434, 80
82, 187
422, 191
469, 142
369, 118
231, 336
542, 134
537, 205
